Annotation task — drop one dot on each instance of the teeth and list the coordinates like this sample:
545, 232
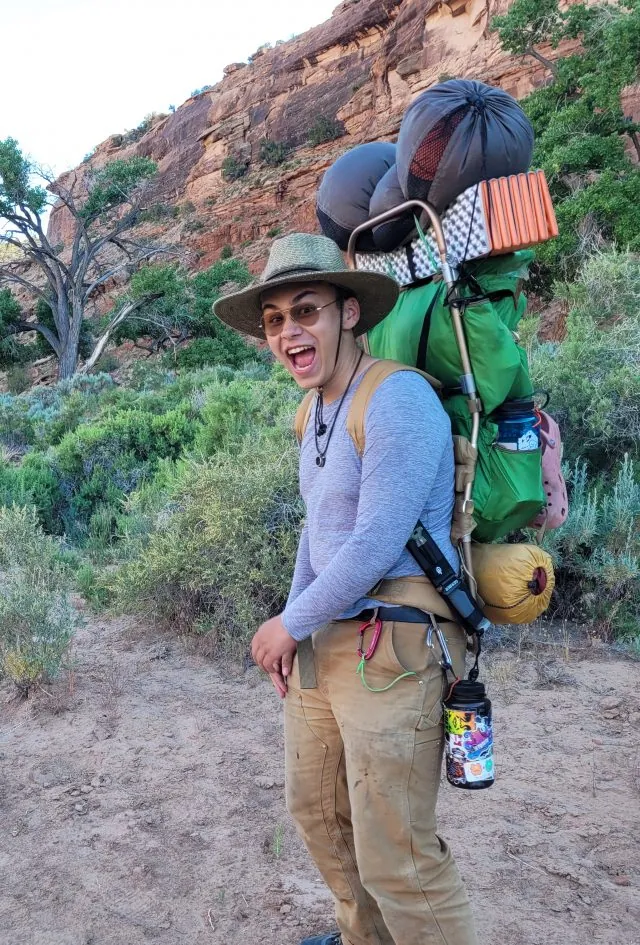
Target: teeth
299, 349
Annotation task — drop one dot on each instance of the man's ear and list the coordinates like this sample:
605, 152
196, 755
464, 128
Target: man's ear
350, 313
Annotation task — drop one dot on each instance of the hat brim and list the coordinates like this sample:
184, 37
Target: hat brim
376, 293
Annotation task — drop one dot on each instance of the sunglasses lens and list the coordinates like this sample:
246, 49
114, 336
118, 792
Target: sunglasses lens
303, 314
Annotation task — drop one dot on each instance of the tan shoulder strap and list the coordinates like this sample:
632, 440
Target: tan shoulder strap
302, 415
375, 375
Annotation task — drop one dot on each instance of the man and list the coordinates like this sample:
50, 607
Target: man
363, 747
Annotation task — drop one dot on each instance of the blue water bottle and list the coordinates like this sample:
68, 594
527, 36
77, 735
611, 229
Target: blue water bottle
518, 426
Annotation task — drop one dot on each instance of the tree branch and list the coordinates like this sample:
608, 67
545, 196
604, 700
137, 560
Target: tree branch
547, 63
123, 314
20, 328
114, 270
6, 275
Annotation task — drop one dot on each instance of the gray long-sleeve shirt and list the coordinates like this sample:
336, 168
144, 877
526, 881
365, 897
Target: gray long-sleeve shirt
360, 513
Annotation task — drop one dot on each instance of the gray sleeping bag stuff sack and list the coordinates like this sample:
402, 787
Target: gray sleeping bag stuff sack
345, 191
456, 134
387, 196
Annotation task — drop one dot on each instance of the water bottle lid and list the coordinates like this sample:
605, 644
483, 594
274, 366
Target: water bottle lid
468, 691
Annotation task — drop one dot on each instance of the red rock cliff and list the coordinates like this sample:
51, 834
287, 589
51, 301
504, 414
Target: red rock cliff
362, 66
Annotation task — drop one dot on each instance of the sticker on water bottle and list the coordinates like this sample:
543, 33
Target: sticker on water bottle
528, 441
479, 770
469, 747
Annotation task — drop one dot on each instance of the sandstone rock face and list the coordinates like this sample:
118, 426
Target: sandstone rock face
362, 67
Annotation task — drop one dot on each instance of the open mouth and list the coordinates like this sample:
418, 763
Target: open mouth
302, 358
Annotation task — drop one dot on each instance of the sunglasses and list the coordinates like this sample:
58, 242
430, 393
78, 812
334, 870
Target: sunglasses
303, 314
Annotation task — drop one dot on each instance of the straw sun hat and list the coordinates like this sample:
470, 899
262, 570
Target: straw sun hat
306, 257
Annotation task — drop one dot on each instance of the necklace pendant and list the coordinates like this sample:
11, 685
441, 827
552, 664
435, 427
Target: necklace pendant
320, 461
322, 429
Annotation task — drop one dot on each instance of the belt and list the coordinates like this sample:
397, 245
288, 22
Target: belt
399, 614
306, 662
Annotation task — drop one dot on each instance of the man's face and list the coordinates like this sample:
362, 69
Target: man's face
306, 346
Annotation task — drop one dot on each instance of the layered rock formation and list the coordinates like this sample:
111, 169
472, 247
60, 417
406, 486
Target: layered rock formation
361, 68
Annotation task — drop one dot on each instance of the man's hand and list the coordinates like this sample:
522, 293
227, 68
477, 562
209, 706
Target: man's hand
273, 650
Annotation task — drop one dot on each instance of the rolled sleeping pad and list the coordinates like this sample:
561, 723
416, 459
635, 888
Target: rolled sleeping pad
345, 191
388, 195
456, 134
515, 582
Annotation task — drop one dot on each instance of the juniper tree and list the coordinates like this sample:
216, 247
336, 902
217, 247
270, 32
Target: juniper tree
580, 125
105, 205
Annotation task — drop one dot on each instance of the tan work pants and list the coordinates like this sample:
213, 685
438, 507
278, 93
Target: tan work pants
362, 776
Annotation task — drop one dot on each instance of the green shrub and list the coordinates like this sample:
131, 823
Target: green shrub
106, 363
325, 129
234, 167
273, 153
159, 213
92, 586
579, 124
593, 374
229, 413
226, 348
274, 231
100, 463
134, 134
18, 379
16, 424
597, 552
37, 620
226, 252
223, 549
207, 287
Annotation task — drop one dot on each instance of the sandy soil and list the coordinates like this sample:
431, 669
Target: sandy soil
141, 800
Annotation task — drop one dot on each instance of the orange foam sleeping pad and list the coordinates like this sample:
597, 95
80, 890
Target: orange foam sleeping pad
518, 211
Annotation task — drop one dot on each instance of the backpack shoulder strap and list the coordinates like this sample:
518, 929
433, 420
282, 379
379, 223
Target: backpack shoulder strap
369, 384
302, 415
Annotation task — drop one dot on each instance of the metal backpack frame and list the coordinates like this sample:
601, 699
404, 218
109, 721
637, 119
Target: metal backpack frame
450, 275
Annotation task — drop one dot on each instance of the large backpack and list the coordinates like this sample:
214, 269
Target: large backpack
508, 491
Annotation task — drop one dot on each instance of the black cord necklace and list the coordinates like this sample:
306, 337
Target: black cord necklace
320, 427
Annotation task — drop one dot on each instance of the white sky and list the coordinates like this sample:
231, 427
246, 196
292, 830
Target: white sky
75, 71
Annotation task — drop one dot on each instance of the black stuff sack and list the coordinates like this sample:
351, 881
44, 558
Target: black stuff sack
345, 191
387, 196
456, 134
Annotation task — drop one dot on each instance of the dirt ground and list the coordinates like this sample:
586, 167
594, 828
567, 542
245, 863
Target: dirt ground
141, 800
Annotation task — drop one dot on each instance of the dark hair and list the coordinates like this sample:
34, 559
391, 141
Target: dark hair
342, 294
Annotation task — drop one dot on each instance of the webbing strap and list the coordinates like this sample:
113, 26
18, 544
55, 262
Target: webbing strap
302, 415
421, 359
375, 375
411, 262
306, 664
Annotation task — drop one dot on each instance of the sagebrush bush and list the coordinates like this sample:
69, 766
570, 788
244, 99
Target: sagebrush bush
37, 619
594, 380
100, 463
594, 374
241, 407
92, 585
597, 551
227, 347
18, 379
223, 548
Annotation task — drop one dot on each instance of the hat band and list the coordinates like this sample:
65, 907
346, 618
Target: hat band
291, 272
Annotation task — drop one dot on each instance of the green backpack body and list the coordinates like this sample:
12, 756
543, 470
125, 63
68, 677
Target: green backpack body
508, 490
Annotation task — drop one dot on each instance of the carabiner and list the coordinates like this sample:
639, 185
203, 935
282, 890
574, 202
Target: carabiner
445, 662
377, 629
